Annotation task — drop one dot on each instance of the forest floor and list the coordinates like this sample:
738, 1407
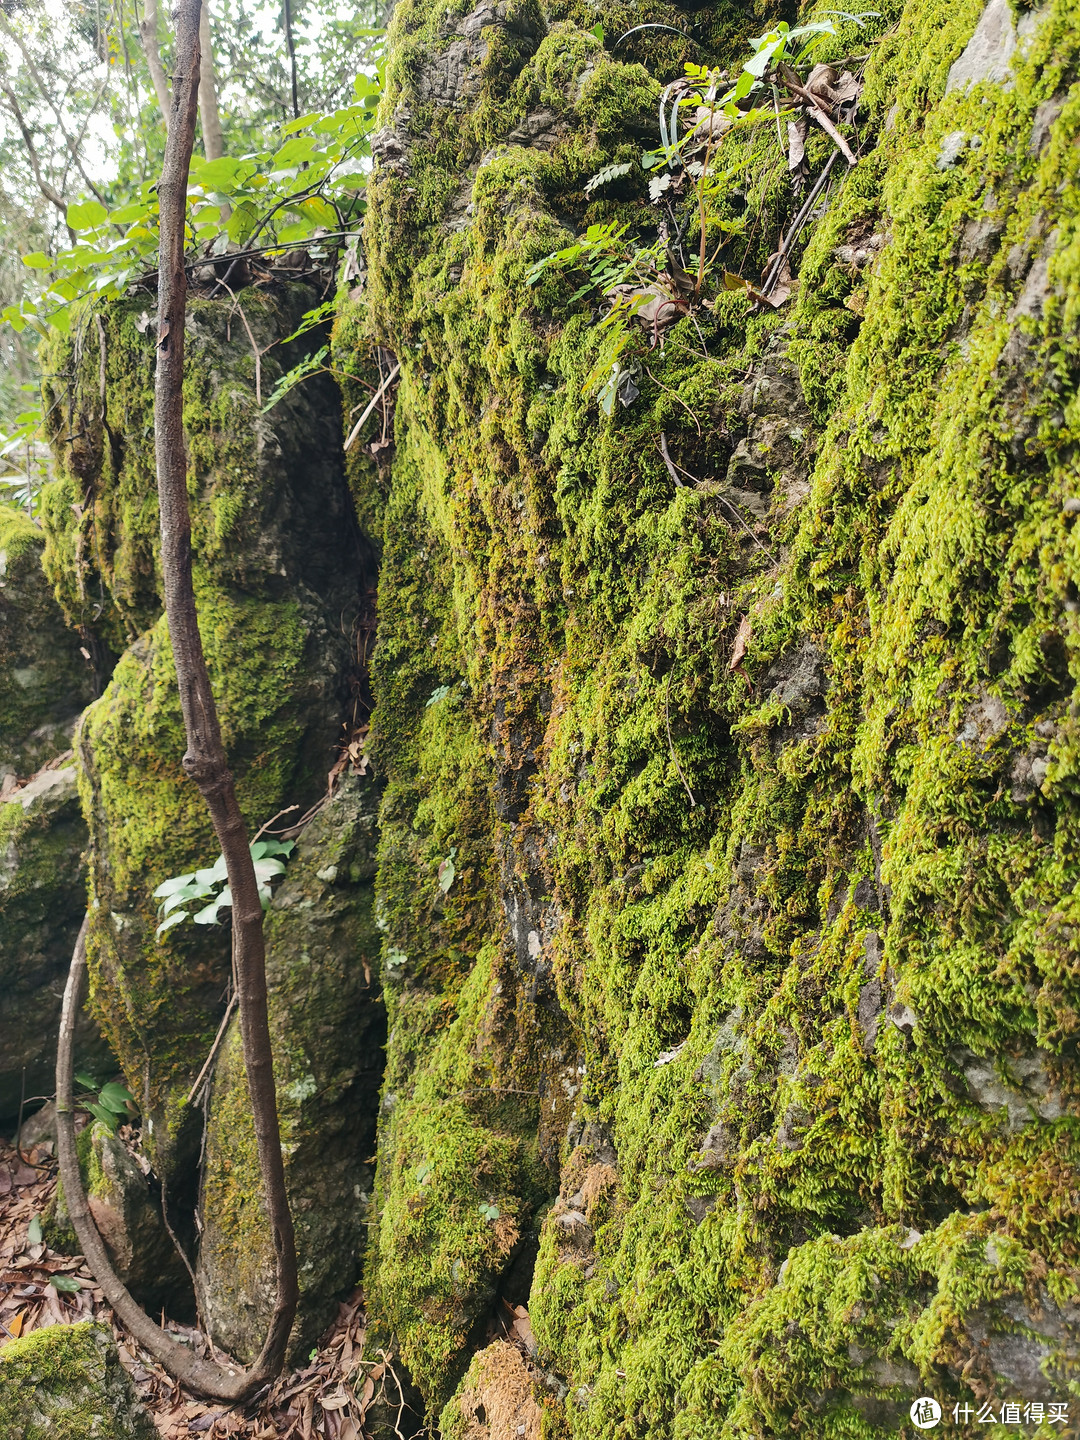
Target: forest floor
327, 1398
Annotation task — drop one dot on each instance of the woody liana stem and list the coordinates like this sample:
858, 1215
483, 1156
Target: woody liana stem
204, 761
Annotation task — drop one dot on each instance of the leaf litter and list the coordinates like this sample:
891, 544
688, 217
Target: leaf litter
327, 1398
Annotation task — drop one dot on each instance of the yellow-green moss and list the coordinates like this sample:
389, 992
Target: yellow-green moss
716, 958
65, 1382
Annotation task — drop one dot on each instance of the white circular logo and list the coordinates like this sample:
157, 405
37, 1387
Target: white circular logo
925, 1412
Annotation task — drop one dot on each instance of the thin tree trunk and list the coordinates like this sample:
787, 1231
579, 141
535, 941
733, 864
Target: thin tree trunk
292, 58
213, 145
205, 762
148, 34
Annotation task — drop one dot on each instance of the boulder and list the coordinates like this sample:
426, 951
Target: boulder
42, 902
45, 675
279, 569
328, 1028
65, 1382
127, 1208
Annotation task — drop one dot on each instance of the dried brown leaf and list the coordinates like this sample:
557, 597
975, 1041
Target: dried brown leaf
742, 639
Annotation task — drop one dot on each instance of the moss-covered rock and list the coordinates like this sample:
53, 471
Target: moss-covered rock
127, 1210
328, 1027
769, 953
280, 569
45, 675
65, 1382
42, 903
501, 1398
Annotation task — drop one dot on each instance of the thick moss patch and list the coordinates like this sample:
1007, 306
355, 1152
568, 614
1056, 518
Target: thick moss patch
65, 1382
783, 949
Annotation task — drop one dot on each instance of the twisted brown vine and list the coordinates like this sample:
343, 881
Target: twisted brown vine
205, 762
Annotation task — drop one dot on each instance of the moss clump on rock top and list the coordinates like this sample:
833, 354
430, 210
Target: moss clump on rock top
65, 1382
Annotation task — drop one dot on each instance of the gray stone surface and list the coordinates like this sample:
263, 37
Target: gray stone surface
328, 1028
42, 902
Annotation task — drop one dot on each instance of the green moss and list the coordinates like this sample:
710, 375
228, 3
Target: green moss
779, 1003
65, 1382
278, 567
44, 680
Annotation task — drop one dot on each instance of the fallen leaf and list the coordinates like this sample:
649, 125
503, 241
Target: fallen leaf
796, 131
742, 638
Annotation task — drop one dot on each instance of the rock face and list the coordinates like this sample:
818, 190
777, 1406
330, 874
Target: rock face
42, 902
328, 1026
65, 1382
45, 681
280, 576
728, 857
45, 676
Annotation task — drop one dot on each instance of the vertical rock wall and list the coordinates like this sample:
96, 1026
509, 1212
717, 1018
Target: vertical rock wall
279, 573
739, 992
45, 681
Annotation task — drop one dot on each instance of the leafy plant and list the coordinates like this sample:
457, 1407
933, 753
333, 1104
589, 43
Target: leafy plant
310, 188
308, 191
643, 282
110, 1103
211, 885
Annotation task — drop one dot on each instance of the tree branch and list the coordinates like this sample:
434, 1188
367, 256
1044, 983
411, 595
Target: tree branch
46, 95
148, 34
292, 58
49, 191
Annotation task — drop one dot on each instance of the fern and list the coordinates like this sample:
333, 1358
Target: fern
609, 172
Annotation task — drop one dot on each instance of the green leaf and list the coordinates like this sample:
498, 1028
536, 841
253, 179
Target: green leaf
176, 918
598, 31
99, 1112
213, 873
33, 1230
128, 214
66, 1284
447, 874
38, 260
242, 222
115, 1097
218, 174
169, 887
87, 216
86, 1080
299, 148
302, 123
209, 915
